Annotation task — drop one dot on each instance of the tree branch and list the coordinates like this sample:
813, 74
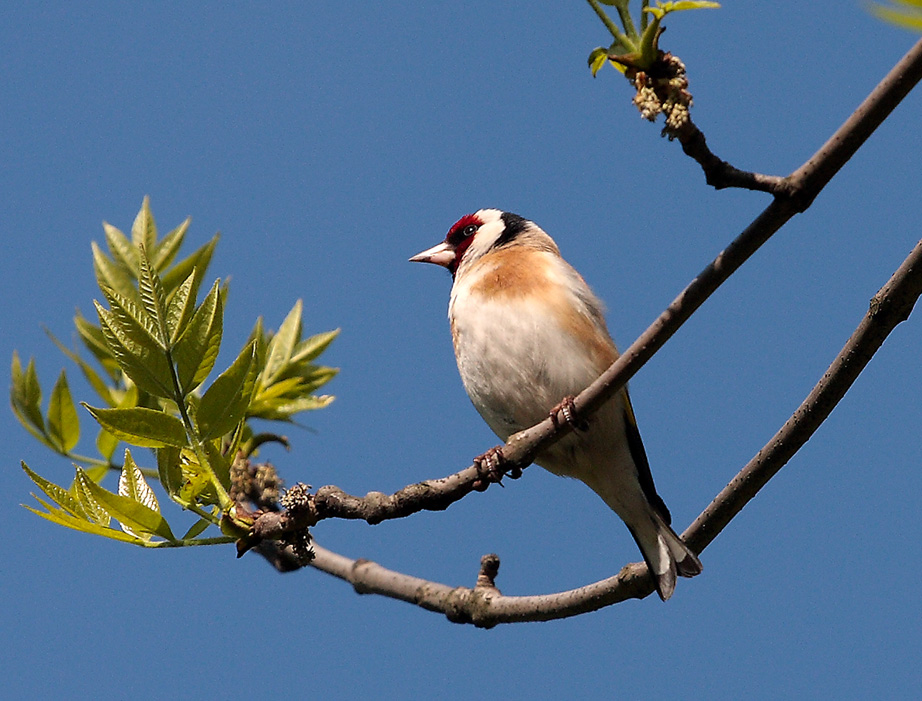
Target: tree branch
718, 173
519, 451
889, 307
485, 606
806, 182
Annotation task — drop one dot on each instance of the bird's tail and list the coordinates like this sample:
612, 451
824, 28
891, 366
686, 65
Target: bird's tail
665, 553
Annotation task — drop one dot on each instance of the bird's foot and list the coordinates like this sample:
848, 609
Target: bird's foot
492, 466
567, 409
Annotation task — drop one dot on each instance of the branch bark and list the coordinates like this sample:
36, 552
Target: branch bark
519, 451
888, 308
718, 173
484, 606
807, 181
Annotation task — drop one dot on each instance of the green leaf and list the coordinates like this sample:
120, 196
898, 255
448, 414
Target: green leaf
315, 376
134, 319
287, 389
141, 426
143, 361
197, 349
197, 529
131, 484
97, 473
28, 390
195, 486
290, 387
96, 382
164, 252
83, 491
225, 403
597, 59
281, 392
62, 518
310, 348
95, 341
127, 397
258, 336
144, 229
910, 18
153, 299
58, 495
219, 464
63, 423
284, 409
181, 308
664, 8
114, 274
170, 470
123, 253
26, 399
106, 444
199, 259
283, 344
693, 5
133, 516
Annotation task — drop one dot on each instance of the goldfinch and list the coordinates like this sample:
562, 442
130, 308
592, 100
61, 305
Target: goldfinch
529, 334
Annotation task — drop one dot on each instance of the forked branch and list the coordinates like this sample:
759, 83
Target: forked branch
483, 605
658, 83
518, 452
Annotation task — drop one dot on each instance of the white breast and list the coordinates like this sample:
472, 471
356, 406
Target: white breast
516, 359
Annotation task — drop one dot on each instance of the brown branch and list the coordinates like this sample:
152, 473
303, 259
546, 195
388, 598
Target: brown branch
718, 173
889, 307
485, 606
519, 451
805, 183
815, 173
662, 89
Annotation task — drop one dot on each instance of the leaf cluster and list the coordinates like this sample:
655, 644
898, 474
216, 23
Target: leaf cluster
903, 13
632, 47
154, 347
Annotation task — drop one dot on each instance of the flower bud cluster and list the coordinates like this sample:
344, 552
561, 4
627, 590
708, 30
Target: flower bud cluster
663, 89
258, 483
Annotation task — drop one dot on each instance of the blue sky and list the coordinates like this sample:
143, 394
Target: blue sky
328, 142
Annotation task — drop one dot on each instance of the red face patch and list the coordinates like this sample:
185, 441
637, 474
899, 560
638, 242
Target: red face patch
460, 236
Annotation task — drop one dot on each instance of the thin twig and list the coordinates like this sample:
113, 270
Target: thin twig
806, 182
486, 607
520, 449
616, 33
718, 173
889, 307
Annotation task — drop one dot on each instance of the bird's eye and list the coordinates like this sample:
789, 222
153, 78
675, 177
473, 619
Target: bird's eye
463, 230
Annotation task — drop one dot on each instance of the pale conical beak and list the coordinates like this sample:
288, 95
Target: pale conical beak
442, 254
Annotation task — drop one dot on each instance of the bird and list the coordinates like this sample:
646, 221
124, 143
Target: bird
529, 334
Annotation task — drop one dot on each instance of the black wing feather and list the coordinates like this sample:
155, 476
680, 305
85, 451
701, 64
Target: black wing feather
640, 460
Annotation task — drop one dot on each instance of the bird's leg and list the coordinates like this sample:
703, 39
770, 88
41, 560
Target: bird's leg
492, 467
568, 409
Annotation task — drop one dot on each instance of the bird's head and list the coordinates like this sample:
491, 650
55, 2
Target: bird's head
473, 236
